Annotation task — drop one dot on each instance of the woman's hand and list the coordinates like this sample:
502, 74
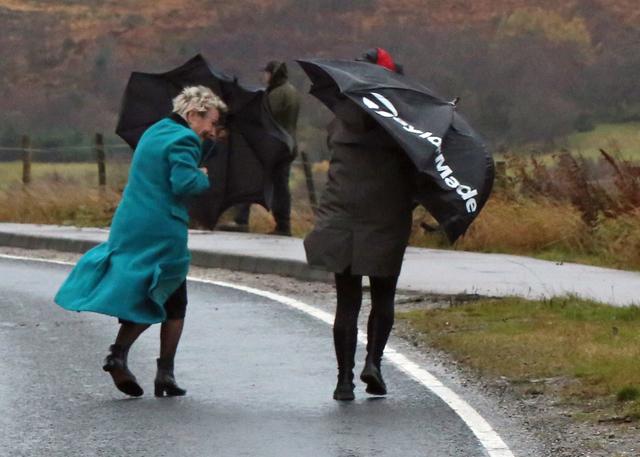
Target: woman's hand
221, 133
205, 170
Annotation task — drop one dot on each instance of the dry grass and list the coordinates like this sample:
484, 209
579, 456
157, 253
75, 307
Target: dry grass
58, 203
571, 209
617, 241
60, 193
80, 174
516, 227
587, 352
524, 226
548, 230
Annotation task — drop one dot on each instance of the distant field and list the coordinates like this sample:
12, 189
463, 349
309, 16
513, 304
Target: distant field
85, 174
621, 140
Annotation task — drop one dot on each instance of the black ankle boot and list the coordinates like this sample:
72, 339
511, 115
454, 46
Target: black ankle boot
372, 376
116, 365
165, 382
345, 386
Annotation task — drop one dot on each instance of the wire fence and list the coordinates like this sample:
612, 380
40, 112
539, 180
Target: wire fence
107, 164
112, 147
62, 155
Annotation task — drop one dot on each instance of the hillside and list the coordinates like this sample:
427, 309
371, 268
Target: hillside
68, 60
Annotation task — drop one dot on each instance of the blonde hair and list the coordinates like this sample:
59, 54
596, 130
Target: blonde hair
197, 98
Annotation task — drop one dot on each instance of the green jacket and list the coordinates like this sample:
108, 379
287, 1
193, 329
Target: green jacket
145, 258
284, 102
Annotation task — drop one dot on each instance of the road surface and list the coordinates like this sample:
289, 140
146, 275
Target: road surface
259, 376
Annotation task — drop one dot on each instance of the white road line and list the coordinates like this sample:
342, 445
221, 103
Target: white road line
488, 437
35, 259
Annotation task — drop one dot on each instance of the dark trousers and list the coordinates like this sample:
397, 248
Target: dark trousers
345, 327
281, 206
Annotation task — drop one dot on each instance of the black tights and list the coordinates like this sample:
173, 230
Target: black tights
170, 333
345, 327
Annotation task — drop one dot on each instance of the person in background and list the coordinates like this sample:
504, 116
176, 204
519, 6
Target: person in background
139, 274
284, 103
362, 228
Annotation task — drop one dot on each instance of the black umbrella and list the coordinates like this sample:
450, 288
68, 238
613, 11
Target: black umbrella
456, 170
239, 168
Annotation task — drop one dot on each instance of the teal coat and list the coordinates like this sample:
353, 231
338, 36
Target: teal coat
145, 258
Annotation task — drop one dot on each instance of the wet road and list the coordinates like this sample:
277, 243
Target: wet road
259, 375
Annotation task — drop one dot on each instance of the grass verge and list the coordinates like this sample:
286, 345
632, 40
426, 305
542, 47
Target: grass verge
585, 353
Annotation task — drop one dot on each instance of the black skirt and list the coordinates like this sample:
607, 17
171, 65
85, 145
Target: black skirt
175, 306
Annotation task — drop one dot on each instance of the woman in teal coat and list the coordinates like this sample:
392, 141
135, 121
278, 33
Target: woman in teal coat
139, 274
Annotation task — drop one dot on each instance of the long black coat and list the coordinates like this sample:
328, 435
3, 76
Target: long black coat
364, 219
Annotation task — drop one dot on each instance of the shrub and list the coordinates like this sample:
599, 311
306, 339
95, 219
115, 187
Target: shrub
628, 394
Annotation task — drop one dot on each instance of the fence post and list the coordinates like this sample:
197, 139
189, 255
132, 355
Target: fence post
26, 159
311, 188
102, 172
501, 172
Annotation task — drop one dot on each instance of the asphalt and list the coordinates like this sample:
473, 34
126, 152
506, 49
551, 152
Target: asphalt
259, 375
424, 271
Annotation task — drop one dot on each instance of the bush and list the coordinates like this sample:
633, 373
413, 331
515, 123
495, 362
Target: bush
628, 394
584, 123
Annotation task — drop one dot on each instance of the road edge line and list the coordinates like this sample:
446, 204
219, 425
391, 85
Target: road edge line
483, 431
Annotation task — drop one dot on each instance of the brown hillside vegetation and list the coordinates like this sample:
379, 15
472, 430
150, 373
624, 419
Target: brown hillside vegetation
483, 12
141, 24
73, 57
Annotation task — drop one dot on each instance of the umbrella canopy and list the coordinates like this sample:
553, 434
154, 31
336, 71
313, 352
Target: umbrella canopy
239, 168
455, 168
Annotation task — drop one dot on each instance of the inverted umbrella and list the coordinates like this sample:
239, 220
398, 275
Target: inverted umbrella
239, 168
455, 168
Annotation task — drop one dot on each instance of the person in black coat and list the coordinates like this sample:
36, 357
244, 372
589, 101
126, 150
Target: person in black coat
284, 103
362, 228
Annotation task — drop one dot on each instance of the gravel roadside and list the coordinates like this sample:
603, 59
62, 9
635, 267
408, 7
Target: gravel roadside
532, 424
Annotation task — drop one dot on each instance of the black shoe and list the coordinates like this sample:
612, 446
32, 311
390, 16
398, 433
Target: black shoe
233, 227
116, 365
165, 382
281, 231
344, 388
373, 378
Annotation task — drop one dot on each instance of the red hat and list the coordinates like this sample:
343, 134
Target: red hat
380, 57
